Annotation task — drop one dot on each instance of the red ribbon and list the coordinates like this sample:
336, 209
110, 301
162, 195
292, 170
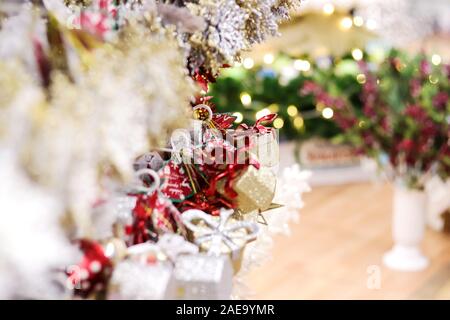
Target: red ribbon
142, 213
231, 172
95, 265
208, 199
153, 215
211, 205
258, 127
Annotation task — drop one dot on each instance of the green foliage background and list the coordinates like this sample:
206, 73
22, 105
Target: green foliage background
267, 86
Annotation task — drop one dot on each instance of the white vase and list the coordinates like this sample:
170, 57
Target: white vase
408, 228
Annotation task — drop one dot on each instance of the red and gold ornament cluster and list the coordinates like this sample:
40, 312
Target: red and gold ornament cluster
208, 186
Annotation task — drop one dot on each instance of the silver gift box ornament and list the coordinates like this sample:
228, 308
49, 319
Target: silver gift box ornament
133, 280
220, 235
202, 277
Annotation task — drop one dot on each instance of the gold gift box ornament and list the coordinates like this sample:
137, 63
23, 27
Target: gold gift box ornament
220, 235
255, 189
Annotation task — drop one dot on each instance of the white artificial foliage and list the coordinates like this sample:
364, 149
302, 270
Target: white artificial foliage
260, 20
223, 37
231, 27
17, 34
66, 146
34, 248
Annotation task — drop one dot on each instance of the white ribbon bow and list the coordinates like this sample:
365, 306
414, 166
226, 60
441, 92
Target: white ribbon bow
218, 232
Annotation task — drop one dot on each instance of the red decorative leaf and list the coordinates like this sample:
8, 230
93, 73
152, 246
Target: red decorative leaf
223, 120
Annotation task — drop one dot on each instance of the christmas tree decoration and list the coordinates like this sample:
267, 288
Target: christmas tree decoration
231, 27
154, 214
74, 109
220, 235
253, 189
153, 282
115, 249
97, 99
31, 236
223, 38
150, 160
91, 275
201, 277
174, 245
147, 273
176, 184
263, 141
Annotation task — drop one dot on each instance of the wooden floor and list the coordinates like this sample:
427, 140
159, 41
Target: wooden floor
335, 252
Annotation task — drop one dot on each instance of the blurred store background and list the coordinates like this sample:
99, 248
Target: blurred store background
346, 223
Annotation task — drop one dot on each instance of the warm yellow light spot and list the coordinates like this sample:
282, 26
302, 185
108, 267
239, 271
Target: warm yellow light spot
298, 122
327, 113
436, 59
262, 113
246, 99
361, 78
358, 21
292, 110
433, 79
268, 58
248, 63
302, 65
346, 23
361, 124
357, 54
320, 106
274, 108
278, 123
239, 117
328, 9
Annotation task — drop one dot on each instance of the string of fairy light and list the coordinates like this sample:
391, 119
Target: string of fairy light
302, 65
298, 65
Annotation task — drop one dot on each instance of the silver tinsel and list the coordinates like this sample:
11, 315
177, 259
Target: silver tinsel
214, 32
260, 22
282, 8
231, 27
224, 36
63, 146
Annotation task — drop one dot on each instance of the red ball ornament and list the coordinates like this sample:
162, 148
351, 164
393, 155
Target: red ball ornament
90, 276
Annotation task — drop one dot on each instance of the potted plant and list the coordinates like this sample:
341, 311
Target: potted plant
400, 118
